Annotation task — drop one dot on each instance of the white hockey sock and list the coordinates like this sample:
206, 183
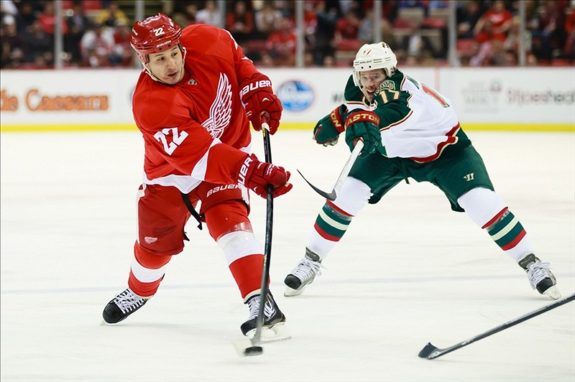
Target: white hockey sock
489, 212
335, 217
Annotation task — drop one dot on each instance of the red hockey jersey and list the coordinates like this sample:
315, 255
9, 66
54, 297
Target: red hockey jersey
194, 130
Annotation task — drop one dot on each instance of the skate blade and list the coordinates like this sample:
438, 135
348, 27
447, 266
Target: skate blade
290, 292
553, 293
276, 333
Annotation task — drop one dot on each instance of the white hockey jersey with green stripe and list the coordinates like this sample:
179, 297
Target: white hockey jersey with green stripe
416, 121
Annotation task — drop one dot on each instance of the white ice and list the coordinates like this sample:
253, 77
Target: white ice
407, 272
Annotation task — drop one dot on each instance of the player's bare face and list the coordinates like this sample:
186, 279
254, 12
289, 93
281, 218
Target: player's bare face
370, 81
167, 66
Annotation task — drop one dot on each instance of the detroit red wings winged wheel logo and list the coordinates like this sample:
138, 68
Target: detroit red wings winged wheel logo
221, 109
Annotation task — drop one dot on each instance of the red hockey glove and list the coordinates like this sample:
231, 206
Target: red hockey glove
260, 102
257, 175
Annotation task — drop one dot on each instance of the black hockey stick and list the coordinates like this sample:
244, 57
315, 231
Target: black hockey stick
256, 348
344, 172
429, 351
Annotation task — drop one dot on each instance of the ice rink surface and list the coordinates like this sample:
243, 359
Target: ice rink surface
407, 272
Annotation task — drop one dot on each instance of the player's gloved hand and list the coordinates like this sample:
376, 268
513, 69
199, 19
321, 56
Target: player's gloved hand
364, 125
327, 130
257, 175
260, 102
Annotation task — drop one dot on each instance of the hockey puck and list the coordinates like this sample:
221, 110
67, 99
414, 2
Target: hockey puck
253, 350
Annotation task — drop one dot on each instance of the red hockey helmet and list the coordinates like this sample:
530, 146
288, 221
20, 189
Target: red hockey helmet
153, 35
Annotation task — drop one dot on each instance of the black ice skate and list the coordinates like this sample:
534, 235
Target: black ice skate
540, 276
274, 319
122, 306
303, 274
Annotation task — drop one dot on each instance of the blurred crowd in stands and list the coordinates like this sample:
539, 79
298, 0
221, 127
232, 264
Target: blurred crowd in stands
96, 32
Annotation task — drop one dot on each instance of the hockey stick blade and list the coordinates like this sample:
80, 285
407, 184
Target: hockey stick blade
430, 351
330, 196
344, 172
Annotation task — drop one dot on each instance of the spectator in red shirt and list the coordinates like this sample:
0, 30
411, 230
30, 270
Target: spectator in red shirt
281, 44
494, 24
347, 32
48, 20
348, 26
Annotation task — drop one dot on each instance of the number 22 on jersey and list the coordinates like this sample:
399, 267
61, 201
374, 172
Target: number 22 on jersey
176, 138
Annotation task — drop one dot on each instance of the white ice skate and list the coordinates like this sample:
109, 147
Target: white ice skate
303, 274
540, 276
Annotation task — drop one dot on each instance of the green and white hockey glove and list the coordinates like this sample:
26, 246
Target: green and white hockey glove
364, 125
327, 130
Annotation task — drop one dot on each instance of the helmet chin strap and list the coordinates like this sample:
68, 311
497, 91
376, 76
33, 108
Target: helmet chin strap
147, 70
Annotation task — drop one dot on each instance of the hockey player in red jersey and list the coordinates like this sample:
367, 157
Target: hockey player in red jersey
193, 103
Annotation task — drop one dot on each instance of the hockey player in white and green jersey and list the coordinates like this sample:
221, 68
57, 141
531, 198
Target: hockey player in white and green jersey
409, 130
